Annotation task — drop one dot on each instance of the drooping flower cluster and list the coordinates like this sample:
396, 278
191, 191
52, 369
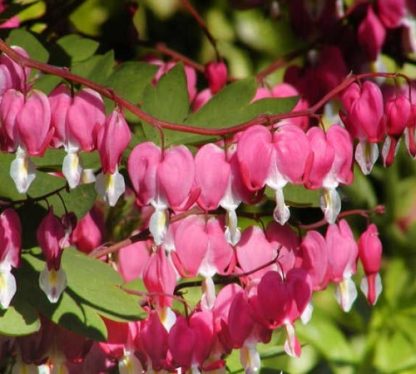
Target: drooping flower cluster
193, 200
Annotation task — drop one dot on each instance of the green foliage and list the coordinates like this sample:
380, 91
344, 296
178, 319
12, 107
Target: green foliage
94, 290
30, 43
167, 101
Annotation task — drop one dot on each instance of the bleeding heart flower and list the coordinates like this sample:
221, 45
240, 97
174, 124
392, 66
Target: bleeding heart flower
370, 251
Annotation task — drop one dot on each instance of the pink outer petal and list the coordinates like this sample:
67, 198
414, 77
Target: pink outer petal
202, 324
219, 253
49, 234
154, 339
224, 300
85, 117
216, 74
60, 100
292, 152
175, 175
240, 320
323, 158
33, 124
341, 141
370, 250
254, 153
371, 34
10, 237
253, 250
191, 243
286, 242
273, 299
391, 12
182, 340
133, 260
159, 277
142, 167
212, 173
201, 99
89, 231
113, 139
342, 251
10, 106
315, 259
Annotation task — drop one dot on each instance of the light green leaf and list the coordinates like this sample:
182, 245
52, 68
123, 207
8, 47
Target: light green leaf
69, 312
79, 200
77, 47
19, 319
225, 106
167, 101
93, 290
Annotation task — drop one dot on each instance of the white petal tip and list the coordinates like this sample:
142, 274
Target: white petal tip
22, 171
158, 226
110, 187
52, 283
366, 155
7, 288
71, 169
346, 294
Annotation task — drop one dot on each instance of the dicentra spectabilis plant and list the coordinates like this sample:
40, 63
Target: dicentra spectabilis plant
163, 212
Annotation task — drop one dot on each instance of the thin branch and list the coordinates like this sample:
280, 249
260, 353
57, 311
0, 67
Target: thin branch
202, 25
265, 120
162, 48
379, 209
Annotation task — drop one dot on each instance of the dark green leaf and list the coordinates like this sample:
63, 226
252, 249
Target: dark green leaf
167, 101
30, 43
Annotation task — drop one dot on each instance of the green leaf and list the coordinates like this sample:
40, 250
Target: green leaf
69, 312
129, 79
19, 319
30, 43
102, 290
77, 47
97, 68
167, 101
232, 106
225, 106
93, 290
79, 200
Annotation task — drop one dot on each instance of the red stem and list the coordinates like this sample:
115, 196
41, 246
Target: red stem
161, 124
